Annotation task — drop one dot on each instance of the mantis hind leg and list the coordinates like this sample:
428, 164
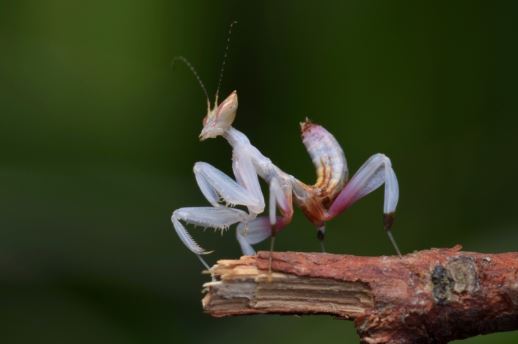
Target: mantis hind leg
321, 234
375, 172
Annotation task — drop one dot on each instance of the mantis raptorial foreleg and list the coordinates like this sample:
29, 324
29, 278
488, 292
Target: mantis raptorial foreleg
216, 186
212, 217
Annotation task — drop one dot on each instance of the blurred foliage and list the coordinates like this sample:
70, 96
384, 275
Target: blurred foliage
99, 136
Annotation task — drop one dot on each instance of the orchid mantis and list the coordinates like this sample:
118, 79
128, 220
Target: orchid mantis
330, 196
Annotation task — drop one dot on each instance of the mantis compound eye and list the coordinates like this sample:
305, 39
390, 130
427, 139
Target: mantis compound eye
226, 111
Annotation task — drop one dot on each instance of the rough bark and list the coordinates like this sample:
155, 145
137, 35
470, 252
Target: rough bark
431, 296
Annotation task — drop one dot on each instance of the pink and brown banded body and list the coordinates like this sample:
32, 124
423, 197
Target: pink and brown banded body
331, 168
333, 192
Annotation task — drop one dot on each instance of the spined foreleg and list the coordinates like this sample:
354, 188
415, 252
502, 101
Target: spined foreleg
212, 217
216, 187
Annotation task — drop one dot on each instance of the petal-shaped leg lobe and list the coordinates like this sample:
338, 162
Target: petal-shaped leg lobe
215, 184
252, 233
373, 173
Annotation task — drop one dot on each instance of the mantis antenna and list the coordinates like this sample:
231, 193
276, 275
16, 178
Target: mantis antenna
193, 70
224, 60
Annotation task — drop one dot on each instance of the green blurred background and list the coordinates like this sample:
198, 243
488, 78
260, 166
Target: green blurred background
99, 136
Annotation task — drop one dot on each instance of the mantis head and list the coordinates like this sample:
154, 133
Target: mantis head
219, 119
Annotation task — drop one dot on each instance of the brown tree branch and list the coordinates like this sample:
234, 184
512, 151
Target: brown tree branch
431, 296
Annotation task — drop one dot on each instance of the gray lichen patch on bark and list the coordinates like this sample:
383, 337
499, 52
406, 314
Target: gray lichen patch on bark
442, 282
464, 272
459, 275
